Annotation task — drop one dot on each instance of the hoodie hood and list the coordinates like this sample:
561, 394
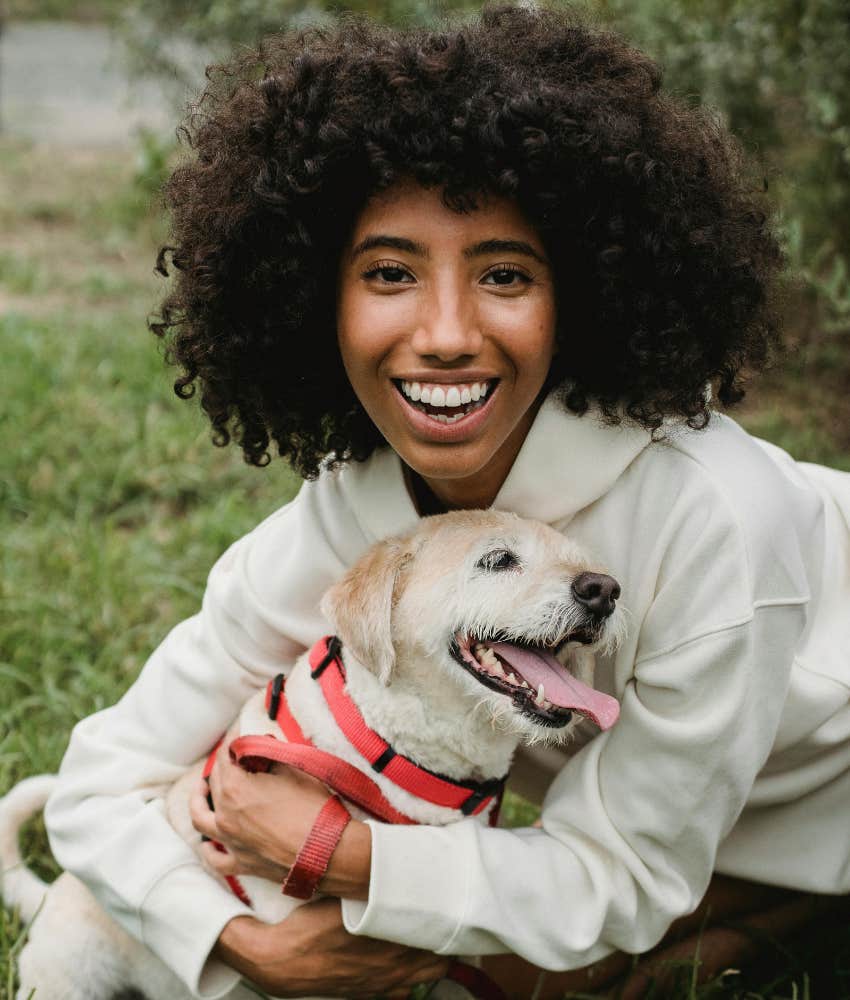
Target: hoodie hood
565, 464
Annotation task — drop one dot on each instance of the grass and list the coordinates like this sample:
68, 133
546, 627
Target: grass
113, 504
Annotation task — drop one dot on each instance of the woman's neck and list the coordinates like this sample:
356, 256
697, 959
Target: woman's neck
478, 491
438, 496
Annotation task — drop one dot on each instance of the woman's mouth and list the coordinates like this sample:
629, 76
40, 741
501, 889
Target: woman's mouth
446, 403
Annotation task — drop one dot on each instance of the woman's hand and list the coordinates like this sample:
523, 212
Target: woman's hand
263, 819
311, 953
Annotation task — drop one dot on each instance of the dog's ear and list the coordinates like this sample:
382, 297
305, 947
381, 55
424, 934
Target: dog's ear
360, 606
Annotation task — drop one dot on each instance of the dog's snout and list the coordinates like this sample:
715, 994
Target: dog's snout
596, 592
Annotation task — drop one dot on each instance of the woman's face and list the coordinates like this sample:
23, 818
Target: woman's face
446, 327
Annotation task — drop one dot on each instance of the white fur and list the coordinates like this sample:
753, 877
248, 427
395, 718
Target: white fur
21, 887
396, 612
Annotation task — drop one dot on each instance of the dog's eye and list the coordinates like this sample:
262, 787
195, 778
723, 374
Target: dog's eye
498, 559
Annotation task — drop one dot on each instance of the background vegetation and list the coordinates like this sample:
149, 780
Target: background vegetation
113, 504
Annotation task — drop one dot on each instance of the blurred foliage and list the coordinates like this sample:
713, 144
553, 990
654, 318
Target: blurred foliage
66, 10
779, 73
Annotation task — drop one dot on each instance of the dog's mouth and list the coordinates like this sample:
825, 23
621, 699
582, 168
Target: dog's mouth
539, 686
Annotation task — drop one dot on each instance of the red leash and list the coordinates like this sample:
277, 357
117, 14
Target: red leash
259, 753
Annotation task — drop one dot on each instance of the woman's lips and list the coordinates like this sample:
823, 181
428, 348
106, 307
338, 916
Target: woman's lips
426, 426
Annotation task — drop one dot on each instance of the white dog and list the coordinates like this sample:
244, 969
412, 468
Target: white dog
454, 639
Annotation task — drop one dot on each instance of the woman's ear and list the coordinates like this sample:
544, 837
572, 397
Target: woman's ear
360, 607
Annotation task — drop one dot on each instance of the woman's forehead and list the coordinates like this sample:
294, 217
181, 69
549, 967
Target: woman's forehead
409, 210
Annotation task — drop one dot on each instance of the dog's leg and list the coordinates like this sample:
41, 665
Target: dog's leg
76, 951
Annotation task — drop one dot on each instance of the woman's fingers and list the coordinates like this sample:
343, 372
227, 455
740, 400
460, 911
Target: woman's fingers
219, 861
203, 818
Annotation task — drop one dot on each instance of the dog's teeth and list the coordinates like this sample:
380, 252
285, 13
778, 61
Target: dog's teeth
541, 695
500, 670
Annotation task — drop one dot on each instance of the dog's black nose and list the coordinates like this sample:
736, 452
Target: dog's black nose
596, 592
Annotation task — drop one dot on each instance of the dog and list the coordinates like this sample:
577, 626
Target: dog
459, 640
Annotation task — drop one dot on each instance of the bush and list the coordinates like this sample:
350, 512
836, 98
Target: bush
779, 72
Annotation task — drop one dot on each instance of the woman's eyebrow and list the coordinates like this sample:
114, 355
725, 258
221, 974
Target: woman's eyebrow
503, 246
393, 242
419, 250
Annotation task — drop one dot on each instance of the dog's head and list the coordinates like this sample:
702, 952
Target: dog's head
506, 608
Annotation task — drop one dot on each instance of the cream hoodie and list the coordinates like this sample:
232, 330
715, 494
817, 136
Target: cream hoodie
732, 751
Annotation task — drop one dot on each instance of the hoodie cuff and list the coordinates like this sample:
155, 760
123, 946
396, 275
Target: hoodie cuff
181, 920
418, 887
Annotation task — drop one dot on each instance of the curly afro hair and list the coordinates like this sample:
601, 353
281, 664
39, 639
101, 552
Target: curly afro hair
657, 238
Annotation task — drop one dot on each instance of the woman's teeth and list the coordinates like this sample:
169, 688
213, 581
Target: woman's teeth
470, 396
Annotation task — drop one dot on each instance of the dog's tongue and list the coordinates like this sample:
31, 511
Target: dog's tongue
560, 687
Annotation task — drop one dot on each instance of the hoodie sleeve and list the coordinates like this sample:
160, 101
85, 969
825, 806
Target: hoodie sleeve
106, 820
631, 825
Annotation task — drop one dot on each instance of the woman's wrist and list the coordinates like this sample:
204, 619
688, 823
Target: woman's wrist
350, 866
236, 945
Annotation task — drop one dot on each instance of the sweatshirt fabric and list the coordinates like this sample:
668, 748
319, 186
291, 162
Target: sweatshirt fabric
731, 753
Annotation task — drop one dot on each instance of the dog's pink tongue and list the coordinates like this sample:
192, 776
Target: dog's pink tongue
559, 685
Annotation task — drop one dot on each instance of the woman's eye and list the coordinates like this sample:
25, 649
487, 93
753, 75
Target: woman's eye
507, 277
389, 274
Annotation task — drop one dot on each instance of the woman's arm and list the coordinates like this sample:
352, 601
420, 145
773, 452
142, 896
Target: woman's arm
312, 953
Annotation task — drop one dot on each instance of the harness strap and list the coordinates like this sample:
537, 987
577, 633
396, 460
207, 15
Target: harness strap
278, 709
470, 797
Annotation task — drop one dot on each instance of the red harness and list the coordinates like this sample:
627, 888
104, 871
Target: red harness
259, 753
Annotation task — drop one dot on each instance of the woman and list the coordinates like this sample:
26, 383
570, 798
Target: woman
491, 265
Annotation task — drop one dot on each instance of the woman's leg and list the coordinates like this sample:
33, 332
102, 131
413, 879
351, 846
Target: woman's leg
766, 912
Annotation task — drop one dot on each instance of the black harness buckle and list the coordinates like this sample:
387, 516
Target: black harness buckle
274, 700
473, 802
334, 646
379, 764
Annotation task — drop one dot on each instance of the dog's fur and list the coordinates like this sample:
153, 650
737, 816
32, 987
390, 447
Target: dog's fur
396, 611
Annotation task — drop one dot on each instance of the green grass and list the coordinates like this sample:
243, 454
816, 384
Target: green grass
114, 504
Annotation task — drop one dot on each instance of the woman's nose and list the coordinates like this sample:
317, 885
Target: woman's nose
447, 329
